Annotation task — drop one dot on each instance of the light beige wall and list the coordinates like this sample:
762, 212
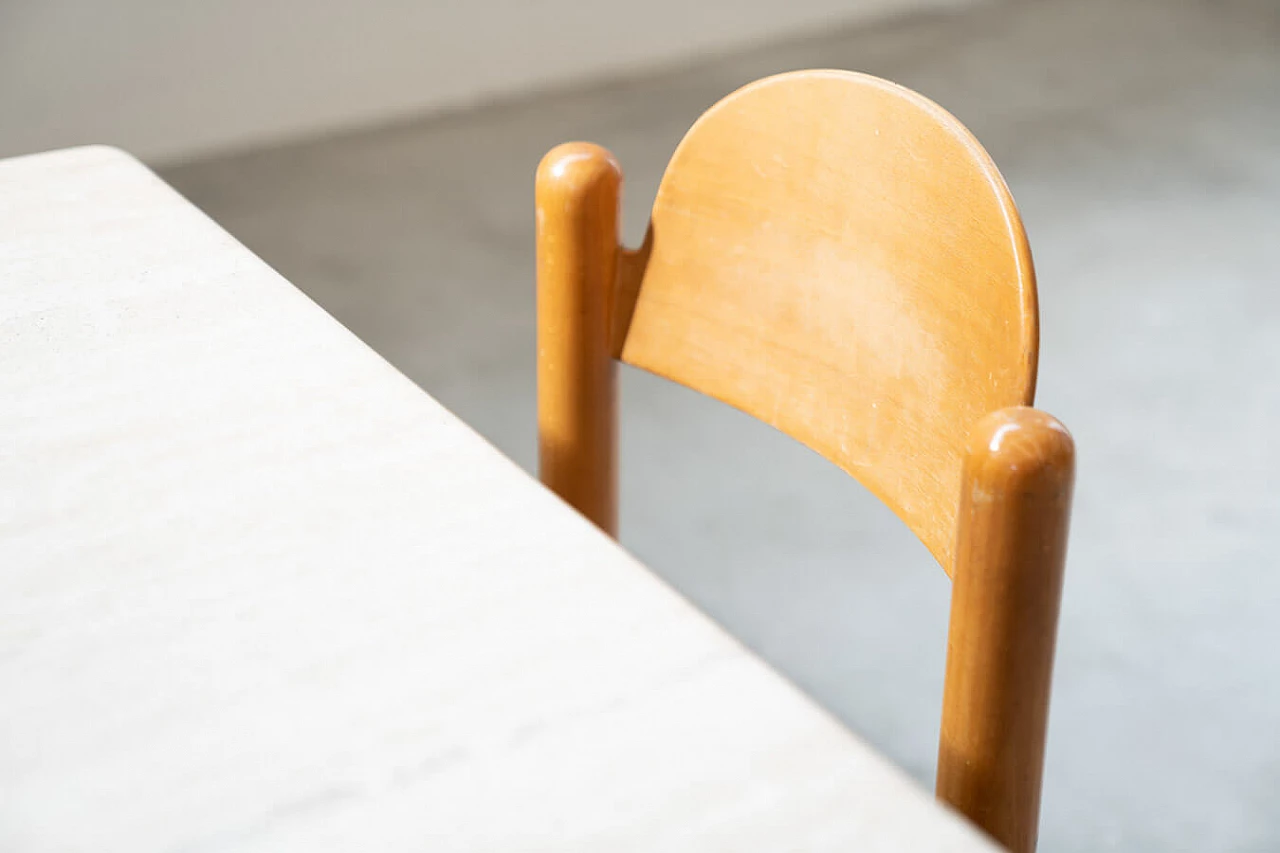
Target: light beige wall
169, 79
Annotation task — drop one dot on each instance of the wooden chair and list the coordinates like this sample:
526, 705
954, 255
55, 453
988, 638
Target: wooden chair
839, 257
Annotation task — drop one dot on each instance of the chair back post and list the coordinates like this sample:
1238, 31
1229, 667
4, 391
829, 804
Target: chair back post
1011, 546
577, 191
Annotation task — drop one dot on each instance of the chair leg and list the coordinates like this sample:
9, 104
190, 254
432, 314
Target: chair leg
1015, 505
578, 190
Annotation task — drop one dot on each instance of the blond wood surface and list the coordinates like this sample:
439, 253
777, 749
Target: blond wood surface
838, 257
1014, 509
577, 232
259, 593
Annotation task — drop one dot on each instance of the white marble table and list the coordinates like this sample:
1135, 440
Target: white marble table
258, 592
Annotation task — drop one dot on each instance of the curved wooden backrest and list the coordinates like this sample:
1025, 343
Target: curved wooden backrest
839, 257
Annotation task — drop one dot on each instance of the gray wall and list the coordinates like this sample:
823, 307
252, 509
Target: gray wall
170, 79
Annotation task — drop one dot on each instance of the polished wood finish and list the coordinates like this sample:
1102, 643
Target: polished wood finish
1014, 507
577, 235
838, 256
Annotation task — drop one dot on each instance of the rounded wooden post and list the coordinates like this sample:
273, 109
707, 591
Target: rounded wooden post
1012, 535
578, 189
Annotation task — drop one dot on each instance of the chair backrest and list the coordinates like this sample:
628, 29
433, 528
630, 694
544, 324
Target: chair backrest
838, 256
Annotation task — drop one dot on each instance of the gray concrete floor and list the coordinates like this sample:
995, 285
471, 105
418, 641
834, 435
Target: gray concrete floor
1142, 141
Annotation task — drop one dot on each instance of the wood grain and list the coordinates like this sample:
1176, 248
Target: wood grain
258, 592
1014, 510
838, 257
577, 192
